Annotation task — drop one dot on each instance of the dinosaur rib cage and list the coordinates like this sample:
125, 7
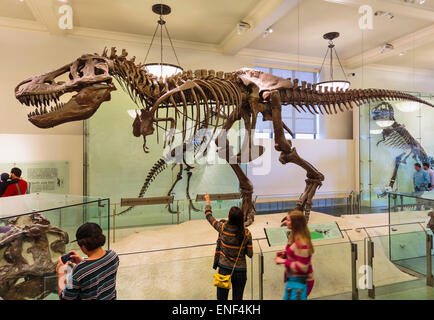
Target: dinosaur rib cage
200, 98
397, 136
396, 140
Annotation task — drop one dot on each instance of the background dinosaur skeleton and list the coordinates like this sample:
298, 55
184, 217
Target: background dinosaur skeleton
233, 96
162, 164
398, 137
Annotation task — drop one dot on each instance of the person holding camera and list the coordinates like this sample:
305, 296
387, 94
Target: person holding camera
93, 278
297, 258
233, 244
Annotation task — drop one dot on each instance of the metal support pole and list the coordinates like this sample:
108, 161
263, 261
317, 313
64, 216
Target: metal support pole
371, 288
429, 245
114, 223
99, 215
402, 202
354, 290
189, 210
261, 276
177, 212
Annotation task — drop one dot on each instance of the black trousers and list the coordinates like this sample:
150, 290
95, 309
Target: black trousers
239, 279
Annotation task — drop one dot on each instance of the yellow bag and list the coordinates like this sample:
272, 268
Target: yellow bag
224, 281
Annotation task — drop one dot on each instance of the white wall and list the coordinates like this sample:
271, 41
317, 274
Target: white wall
333, 158
43, 147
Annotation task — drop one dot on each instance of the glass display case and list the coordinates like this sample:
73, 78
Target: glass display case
393, 136
117, 167
35, 230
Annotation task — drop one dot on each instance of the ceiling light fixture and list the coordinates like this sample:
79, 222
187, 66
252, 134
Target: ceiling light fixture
386, 47
385, 14
268, 31
415, 1
242, 27
332, 83
161, 69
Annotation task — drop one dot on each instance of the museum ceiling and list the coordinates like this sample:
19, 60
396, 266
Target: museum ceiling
297, 30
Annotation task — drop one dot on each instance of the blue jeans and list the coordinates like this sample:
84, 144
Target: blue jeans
295, 289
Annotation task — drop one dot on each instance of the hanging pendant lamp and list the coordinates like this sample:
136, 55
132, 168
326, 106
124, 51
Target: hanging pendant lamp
332, 83
162, 69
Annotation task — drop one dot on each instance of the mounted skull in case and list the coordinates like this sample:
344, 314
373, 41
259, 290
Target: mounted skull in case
29, 250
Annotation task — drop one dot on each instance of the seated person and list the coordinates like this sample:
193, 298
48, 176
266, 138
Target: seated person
17, 185
4, 182
93, 278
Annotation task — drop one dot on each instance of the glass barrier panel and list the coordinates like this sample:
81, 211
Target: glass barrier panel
386, 158
408, 208
171, 275
45, 241
331, 266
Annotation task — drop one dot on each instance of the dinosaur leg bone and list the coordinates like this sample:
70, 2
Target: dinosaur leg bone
313, 182
248, 145
289, 154
246, 186
178, 178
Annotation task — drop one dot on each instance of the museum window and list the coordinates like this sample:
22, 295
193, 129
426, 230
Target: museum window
304, 125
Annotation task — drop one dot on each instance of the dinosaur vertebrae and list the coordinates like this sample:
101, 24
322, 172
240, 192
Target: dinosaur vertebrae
193, 95
308, 99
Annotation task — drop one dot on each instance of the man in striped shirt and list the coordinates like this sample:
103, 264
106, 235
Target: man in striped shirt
95, 277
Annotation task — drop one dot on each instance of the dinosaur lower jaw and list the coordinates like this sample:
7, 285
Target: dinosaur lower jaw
70, 112
80, 107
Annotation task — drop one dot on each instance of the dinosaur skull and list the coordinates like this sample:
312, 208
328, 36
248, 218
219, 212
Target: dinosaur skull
57, 102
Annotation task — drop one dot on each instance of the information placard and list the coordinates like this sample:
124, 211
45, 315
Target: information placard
46, 177
319, 231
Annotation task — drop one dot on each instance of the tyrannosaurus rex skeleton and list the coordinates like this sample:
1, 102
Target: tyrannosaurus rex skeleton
234, 96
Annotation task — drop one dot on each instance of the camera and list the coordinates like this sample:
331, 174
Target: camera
67, 257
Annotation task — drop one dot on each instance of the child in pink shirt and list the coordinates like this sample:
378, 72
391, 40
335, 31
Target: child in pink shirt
297, 258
